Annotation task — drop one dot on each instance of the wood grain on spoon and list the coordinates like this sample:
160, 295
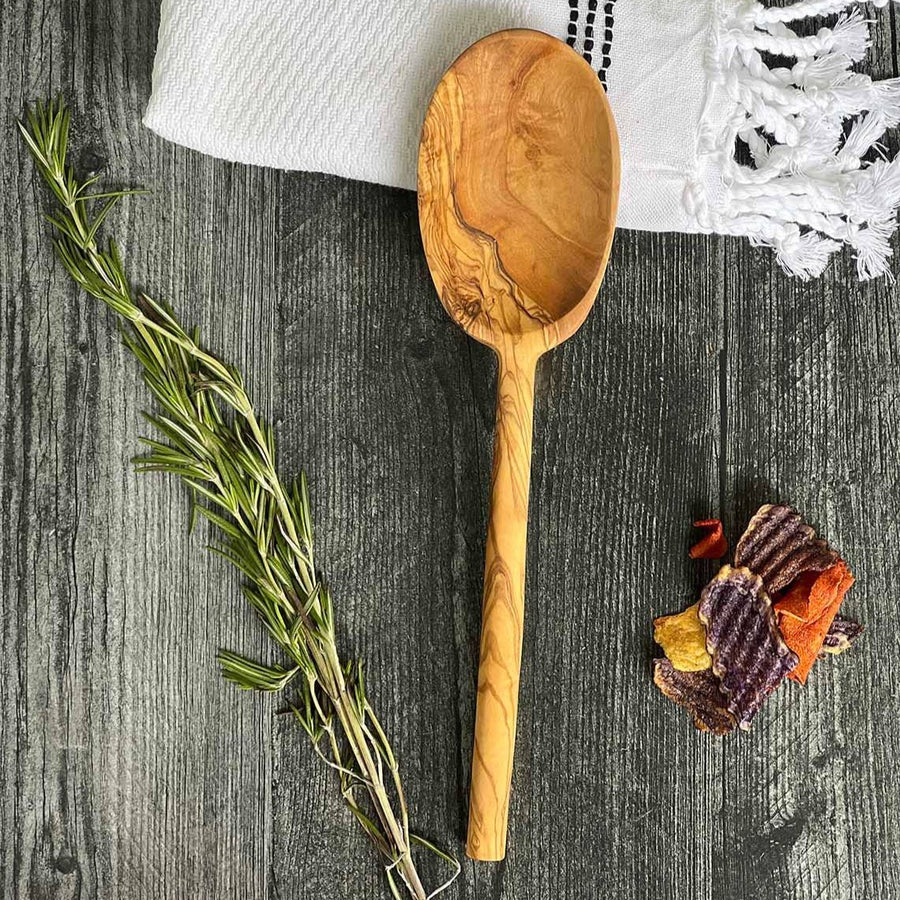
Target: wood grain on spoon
518, 185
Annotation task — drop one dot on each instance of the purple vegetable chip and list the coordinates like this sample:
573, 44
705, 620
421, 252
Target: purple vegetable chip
779, 546
841, 635
750, 657
699, 692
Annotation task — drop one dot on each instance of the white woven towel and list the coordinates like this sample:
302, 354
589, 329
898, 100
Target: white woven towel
716, 135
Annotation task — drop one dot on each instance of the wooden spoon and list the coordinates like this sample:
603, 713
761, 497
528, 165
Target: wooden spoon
518, 186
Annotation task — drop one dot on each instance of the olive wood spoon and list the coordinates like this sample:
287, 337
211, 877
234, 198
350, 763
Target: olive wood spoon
518, 185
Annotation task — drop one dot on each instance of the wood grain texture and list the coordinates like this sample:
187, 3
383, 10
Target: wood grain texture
518, 185
704, 384
502, 612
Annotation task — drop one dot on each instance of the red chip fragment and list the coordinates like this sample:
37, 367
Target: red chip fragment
699, 692
750, 657
713, 544
779, 546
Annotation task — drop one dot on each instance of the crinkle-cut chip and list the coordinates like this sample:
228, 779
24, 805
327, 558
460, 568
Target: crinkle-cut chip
779, 546
713, 544
820, 597
750, 657
841, 636
699, 692
683, 640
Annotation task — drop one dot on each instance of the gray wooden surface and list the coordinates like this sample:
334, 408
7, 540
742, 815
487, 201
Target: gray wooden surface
704, 383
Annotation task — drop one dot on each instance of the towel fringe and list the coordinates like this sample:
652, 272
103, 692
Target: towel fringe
808, 191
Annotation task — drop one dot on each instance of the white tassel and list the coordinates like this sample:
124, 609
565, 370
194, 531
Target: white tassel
865, 132
804, 9
809, 190
873, 250
851, 35
804, 256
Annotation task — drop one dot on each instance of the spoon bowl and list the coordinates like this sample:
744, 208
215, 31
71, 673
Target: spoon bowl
518, 187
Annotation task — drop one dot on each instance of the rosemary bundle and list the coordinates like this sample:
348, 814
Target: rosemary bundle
209, 435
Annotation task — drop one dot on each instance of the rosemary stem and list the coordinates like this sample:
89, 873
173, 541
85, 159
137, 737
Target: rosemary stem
343, 705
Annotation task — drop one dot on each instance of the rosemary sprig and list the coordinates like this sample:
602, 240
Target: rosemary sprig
213, 440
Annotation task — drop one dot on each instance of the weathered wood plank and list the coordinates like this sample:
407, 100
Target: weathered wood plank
812, 388
129, 769
381, 391
626, 442
811, 804
112, 708
404, 461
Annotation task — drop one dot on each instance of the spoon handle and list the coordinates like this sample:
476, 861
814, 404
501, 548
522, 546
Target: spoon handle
502, 611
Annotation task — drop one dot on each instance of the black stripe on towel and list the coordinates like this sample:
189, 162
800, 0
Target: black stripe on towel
591, 34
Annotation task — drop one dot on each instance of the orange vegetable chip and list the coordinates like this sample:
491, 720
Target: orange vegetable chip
713, 544
807, 610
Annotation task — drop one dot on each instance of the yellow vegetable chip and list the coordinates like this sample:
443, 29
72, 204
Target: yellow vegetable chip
683, 639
